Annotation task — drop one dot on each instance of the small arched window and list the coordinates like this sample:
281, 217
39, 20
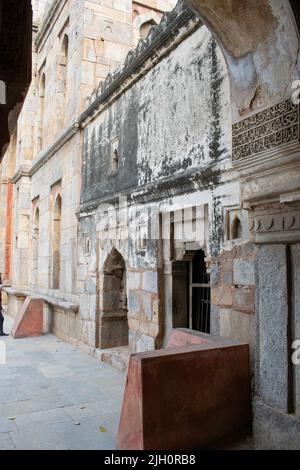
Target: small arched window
236, 229
65, 48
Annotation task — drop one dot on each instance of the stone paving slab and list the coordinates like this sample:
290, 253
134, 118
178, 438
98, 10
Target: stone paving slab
60, 398
6, 442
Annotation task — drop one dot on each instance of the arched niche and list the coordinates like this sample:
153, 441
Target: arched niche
41, 110
62, 80
35, 246
56, 241
113, 322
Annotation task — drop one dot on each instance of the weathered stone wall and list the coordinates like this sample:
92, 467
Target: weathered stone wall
172, 128
158, 130
233, 295
47, 150
172, 121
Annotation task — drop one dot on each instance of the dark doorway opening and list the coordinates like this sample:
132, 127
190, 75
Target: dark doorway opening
199, 305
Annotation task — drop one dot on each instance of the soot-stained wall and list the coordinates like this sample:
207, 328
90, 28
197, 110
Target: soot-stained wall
173, 120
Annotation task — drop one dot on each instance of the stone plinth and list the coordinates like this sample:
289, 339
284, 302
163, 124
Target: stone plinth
186, 397
29, 321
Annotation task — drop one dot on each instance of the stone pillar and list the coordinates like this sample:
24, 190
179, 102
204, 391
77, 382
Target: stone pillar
275, 424
272, 328
295, 262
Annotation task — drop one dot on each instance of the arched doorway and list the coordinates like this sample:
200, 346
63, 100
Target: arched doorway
199, 294
56, 242
113, 326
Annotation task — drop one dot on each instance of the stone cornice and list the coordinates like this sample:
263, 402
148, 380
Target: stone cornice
44, 156
174, 27
23, 170
188, 182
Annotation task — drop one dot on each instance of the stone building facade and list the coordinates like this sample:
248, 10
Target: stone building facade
41, 171
166, 195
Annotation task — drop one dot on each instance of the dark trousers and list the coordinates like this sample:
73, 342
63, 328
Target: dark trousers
1, 322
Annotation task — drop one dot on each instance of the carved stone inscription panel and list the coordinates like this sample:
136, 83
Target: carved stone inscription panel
266, 130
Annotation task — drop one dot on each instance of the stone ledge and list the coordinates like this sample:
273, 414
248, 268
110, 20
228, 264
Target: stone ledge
53, 301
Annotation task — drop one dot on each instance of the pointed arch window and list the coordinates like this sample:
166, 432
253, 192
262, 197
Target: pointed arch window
56, 242
35, 246
62, 81
41, 110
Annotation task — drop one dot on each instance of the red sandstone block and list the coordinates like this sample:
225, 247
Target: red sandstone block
187, 397
29, 322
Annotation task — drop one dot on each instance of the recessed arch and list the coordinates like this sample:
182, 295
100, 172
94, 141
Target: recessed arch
56, 241
35, 246
41, 110
236, 229
113, 327
62, 80
65, 47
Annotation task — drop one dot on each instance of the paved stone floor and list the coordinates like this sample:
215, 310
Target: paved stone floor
53, 396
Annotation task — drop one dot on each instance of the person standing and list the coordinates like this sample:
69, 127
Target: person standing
1, 313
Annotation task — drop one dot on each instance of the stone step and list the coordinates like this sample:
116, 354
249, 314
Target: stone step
118, 358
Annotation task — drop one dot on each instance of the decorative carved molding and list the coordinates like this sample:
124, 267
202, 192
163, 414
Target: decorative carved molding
265, 131
277, 222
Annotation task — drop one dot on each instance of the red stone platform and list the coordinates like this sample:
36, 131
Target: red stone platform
186, 397
29, 321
